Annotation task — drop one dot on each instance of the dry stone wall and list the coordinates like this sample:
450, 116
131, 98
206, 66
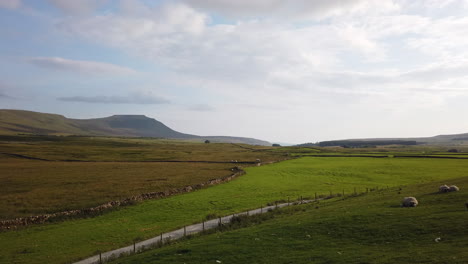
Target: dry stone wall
16, 223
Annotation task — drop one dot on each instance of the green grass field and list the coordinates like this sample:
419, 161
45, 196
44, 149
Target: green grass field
71, 240
365, 229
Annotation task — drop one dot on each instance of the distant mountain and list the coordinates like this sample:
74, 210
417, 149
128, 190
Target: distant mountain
20, 121
455, 139
129, 126
443, 139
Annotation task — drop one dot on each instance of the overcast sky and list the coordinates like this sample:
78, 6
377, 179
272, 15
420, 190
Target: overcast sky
285, 71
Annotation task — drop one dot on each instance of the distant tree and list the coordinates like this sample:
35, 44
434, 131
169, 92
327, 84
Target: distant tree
207, 141
276, 145
453, 150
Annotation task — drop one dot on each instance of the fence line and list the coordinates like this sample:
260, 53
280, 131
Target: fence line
165, 238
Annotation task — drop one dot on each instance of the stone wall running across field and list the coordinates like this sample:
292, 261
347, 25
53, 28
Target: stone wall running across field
13, 224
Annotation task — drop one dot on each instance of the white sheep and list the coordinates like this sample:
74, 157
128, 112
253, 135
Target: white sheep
409, 202
453, 188
444, 188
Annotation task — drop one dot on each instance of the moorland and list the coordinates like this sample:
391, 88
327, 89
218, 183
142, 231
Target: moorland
46, 174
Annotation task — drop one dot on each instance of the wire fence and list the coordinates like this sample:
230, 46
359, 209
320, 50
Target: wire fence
217, 223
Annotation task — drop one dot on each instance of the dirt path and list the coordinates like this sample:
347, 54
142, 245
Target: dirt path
174, 235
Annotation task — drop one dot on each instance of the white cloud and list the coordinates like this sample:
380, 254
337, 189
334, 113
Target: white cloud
295, 9
443, 38
79, 66
437, 4
3, 95
7, 91
180, 38
269, 56
201, 108
162, 35
361, 40
77, 7
10, 4
320, 60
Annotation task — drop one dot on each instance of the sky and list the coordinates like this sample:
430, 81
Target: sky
284, 71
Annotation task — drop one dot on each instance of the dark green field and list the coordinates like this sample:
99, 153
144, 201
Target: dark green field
368, 229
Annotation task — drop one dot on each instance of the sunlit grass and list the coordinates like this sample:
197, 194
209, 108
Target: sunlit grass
58, 243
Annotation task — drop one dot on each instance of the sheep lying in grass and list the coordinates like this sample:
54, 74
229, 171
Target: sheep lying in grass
444, 188
409, 202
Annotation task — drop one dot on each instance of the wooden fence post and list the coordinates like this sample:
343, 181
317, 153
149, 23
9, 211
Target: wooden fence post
134, 247
203, 223
100, 258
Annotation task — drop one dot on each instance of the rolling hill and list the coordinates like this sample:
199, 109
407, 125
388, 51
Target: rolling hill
20, 121
447, 140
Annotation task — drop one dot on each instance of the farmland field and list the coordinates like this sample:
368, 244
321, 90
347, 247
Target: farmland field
37, 187
225, 132
71, 240
46, 174
77, 148
367, 229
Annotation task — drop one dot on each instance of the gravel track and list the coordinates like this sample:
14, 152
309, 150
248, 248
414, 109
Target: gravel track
176, 234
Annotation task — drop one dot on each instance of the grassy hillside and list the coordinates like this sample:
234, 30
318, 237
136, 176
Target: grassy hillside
129, 125
19, 121
367, 229
16, 121
62, 242
447, 140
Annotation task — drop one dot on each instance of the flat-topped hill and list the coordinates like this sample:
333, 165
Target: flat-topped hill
20, 121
